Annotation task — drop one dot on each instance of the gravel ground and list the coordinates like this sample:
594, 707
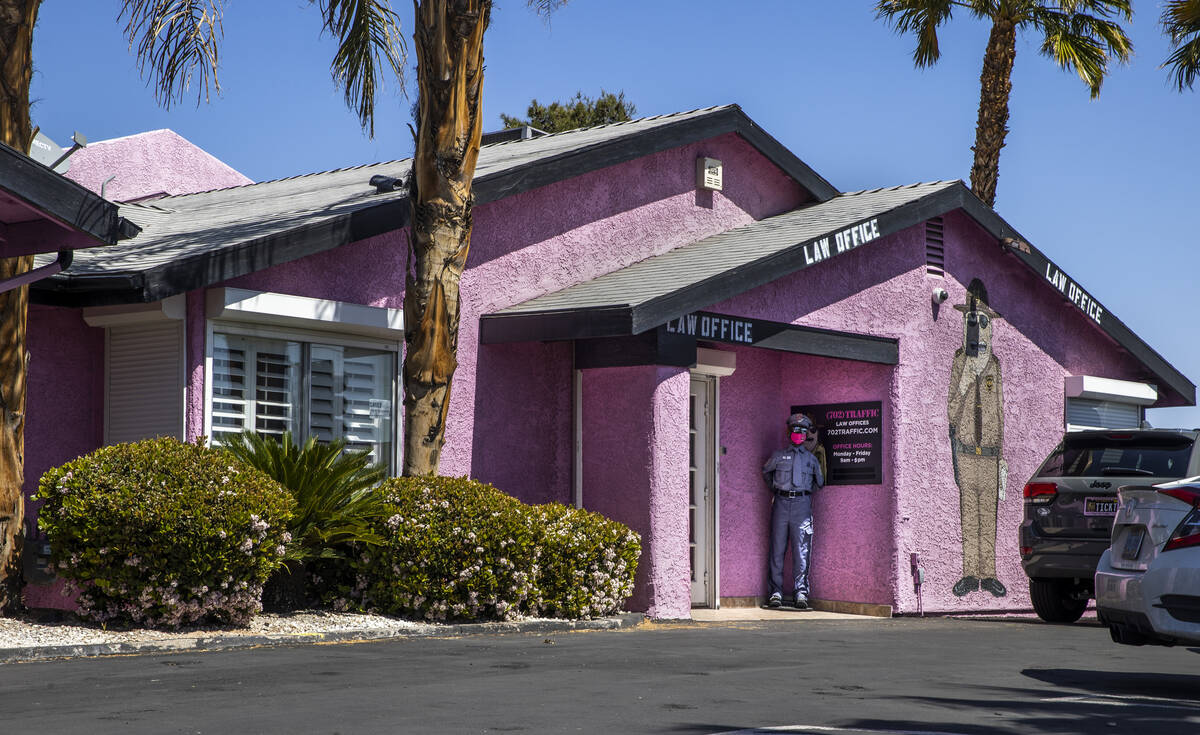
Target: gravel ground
27, 632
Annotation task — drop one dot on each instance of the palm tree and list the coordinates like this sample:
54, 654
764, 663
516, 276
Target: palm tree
1181, 23
175, 40
1080, 35
448, 39
17, 18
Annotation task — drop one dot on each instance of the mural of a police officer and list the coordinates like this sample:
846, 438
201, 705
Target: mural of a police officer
976, 412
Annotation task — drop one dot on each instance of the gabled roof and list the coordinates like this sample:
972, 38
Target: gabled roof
190, 241
41, 212
651, 292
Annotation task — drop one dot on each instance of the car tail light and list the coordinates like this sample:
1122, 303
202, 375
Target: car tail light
1187, 533
1026, 551
1040, 492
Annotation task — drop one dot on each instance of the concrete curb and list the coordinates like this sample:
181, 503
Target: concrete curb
234, 642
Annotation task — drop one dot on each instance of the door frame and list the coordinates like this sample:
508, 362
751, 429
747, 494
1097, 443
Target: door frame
710, 543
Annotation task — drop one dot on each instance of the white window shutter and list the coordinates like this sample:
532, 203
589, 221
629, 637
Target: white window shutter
324, 398
275, 388
1089, 413
231, 397
363, 384
144, 383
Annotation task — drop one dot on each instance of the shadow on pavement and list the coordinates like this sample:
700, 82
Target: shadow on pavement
1184, 687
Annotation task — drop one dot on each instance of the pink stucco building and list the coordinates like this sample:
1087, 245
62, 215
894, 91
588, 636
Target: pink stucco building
644, 304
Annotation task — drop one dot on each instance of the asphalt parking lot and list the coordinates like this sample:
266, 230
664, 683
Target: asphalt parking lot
933, 675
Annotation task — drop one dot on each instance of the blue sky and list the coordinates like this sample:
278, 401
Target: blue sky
1107, 188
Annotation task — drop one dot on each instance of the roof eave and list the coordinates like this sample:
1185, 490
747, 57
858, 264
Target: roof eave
87, 218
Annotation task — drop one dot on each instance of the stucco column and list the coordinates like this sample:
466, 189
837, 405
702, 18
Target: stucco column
667, 559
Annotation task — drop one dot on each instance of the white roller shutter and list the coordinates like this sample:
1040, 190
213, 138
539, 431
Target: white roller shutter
144, 382
1090, 413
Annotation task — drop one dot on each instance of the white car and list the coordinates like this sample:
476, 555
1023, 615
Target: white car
1148, 580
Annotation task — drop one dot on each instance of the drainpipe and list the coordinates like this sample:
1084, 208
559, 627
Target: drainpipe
37, 274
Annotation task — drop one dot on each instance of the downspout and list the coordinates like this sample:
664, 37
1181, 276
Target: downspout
64, 261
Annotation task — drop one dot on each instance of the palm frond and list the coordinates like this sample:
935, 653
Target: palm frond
175, 40
1083, 43
334, 490
545, 7
921, 18
369, 37
1181, 23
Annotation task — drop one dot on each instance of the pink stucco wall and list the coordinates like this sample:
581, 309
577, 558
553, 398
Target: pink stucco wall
149, 164
64, 406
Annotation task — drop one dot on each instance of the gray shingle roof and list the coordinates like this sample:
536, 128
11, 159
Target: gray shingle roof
192, 240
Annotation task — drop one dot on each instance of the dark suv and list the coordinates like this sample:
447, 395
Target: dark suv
1072, 498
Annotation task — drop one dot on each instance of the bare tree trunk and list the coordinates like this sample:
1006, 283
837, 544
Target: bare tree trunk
17, 18
995, 86
449, 45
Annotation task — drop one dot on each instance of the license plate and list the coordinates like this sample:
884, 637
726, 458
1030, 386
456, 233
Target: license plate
1100, 506
1133, 544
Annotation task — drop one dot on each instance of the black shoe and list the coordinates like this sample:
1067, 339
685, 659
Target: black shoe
800, 603
965, 585
775, 601
991, 584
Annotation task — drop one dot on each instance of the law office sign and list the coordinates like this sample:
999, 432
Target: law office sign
852, 435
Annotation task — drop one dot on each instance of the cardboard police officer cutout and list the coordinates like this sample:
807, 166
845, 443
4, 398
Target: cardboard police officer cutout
976, 416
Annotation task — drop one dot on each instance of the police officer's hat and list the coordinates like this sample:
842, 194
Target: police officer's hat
977, 300
799, 421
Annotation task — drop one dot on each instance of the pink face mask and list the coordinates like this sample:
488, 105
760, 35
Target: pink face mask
798, 437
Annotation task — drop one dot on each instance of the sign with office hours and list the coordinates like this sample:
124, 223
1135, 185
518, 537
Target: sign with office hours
852, 436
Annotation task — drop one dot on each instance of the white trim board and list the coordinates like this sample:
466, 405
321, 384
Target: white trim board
1110, 389
286, 310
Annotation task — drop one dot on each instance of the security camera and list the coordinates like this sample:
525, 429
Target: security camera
940, 295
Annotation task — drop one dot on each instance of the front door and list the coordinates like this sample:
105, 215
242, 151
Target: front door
702, 495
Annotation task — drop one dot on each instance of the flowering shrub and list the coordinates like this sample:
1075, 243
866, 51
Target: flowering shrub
162, 533
457, 549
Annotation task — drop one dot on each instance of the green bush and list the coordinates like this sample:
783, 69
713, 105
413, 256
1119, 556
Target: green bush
457, 549
163, 533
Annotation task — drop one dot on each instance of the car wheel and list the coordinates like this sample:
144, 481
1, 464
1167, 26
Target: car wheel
1057, 600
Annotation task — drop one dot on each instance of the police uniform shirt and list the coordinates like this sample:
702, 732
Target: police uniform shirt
794, 469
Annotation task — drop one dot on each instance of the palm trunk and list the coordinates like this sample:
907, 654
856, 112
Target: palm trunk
449, 45
17, 18
995, 86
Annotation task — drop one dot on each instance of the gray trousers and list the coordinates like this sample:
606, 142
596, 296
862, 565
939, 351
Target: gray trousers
790, 517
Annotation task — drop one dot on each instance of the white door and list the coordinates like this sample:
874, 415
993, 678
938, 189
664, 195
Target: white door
701, 485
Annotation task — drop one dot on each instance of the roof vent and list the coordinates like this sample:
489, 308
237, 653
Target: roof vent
524, 132
384, 184
935, 248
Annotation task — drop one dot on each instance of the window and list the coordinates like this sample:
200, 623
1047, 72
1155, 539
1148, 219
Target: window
310, 388
1096, 455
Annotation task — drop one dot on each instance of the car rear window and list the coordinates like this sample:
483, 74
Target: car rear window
1116, 454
